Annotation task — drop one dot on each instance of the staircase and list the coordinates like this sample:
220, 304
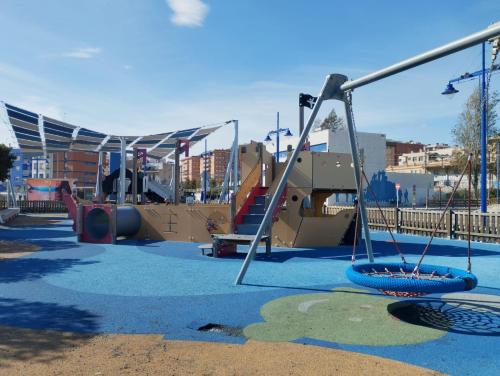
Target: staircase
252, 218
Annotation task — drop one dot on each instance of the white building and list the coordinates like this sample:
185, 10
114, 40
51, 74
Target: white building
40, 167
372, 147
436, 160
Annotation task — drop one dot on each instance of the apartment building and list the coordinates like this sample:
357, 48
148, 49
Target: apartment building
395, 149
190, 168
216, 164
435, 159
78, 165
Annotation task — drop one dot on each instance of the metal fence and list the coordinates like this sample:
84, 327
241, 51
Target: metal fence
38, 206
483, 227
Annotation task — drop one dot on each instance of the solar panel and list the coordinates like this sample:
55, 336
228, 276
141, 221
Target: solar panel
113, 144
25, 126
87, 140
20, 114
61, 136
151, 140
58, 135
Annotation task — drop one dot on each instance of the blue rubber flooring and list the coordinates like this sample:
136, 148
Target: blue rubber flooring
169, 288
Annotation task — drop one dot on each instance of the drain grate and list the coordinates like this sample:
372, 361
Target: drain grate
222, 329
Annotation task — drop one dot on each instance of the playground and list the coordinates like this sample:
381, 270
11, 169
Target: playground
263, 280
145, 306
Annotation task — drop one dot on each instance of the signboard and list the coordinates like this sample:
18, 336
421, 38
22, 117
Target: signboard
142, 154
46, 189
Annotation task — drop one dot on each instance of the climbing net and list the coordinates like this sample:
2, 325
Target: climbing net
401, 273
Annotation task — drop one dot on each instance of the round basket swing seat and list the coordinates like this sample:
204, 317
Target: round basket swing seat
398, 279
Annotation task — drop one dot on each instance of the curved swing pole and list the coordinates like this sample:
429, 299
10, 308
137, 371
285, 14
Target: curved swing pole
354, 244
356, 163
415, 271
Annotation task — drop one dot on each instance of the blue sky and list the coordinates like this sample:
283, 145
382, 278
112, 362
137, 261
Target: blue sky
141, 67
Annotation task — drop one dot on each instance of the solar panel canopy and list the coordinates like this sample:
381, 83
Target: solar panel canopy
38, 134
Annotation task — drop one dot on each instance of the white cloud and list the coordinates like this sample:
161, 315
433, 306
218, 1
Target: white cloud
83, 53
190, 13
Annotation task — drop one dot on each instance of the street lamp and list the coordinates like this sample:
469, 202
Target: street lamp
277, 131
205, 155
450, 90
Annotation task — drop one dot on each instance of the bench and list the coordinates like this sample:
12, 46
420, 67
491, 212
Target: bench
6, 215
225, 244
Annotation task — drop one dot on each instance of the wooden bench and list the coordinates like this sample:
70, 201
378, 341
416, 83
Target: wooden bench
232, 240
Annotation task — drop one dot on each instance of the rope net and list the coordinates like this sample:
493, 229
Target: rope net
434, 276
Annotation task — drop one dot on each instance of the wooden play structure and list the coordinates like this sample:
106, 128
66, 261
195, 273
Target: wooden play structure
299, 221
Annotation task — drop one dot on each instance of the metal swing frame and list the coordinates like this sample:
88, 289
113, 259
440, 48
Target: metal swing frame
408, 279
338, 87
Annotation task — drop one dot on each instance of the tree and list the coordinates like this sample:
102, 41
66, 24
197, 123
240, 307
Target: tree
467, 132
332, 121
6, 161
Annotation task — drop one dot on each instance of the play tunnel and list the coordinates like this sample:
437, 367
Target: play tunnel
104, 223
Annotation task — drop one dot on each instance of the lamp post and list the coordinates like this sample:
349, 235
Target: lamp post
277, 132
450, 90
206, 154
497, 155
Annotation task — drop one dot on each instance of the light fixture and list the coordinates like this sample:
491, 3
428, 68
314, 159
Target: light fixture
450, 90
288, 133
267, 139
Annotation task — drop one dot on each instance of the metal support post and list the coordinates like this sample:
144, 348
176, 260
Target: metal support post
177, 174
123, 168
277, 138
301, 119
235, 158
144, 176
98, 183
484, 135
134, 176
498, 168
205, 173
225, 184
357, 176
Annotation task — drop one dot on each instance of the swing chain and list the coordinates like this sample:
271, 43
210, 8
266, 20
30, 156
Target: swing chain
427, 246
